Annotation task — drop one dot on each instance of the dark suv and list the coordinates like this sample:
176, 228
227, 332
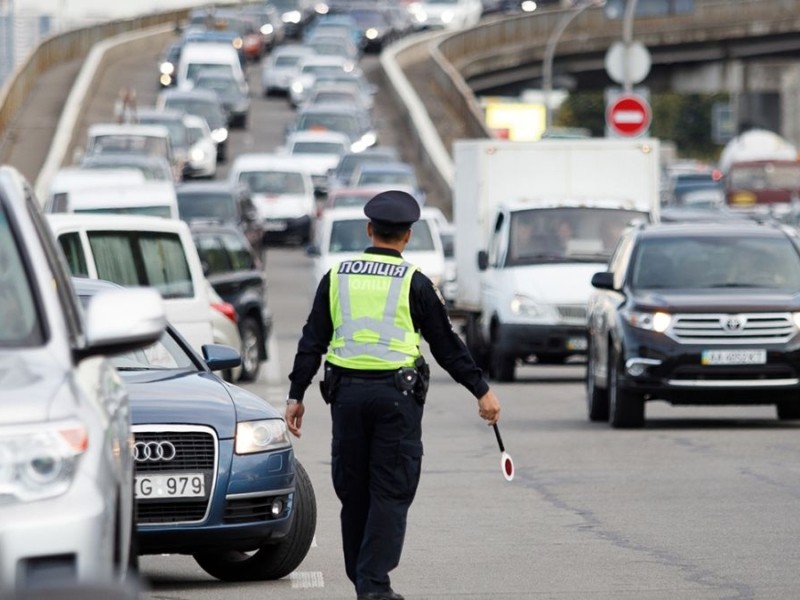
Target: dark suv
696, 313
235, 272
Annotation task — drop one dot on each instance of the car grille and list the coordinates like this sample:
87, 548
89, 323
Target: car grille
722, 328
195, 452
572, 312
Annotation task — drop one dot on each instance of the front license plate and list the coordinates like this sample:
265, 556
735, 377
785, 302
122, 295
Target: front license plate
275, 226
577, 343
733, 357
158, 487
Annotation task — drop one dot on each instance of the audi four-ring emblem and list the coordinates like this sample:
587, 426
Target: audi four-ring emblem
154, 451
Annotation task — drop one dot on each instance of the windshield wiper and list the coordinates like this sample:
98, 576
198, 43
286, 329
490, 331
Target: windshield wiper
739, 285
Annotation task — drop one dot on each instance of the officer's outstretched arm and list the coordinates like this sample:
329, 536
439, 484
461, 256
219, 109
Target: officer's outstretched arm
489, 407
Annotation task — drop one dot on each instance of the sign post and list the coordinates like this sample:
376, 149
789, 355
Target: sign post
628, 115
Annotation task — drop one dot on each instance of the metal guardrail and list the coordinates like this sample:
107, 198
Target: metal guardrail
65, 47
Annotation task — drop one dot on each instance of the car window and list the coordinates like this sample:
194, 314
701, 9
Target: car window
349, 236
73, 251
421, 238
716, 262
19, 322
238, 252
149, 259
273, 182
164, 211
164, 354
218, 207
212, 253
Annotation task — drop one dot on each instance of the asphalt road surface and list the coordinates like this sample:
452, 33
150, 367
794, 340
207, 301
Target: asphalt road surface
703, 503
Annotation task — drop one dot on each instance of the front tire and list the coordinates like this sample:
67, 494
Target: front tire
626, 409
271, 561
596, 398
251, 357
502, 366
788, 411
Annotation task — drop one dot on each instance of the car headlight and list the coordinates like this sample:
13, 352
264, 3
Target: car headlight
167, 68
525, 306
267, 29
448, 16
292, 16
796, 318
371, 33
297, 87
649, 321
38, 463
197, 155
219, 135
261, 436
528, 6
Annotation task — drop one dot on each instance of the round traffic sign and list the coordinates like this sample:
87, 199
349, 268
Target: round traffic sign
628, 116
638, 62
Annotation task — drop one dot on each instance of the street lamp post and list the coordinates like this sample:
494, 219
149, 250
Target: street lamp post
627, 40
578, 7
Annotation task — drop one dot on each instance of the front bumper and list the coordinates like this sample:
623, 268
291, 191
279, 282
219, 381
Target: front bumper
239, 516
57, 541
283, 229
657, 366
524, 340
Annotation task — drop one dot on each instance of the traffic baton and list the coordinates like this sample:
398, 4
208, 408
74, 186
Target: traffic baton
506, 464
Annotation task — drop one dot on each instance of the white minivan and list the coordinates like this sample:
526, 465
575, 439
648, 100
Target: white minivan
141, 251
204, 56
151, 198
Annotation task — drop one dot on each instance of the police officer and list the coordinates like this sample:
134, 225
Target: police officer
368, 315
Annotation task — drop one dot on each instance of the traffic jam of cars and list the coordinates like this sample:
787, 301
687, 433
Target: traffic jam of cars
135, 295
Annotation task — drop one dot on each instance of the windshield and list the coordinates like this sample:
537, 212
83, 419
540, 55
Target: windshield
274, 182
137, 144
148, 211
165, 354
193, 69
716, 262
287, 61
216, 207
19, 323
391, 177
176, 129
539, 235
349, 236
211, 112
317, 148
347, 124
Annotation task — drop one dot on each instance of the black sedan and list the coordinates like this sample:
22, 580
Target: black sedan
214, 468
700, 313
234, 271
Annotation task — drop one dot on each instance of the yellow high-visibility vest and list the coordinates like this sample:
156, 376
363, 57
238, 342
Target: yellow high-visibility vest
371, 314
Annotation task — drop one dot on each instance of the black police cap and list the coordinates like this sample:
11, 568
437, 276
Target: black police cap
393, 207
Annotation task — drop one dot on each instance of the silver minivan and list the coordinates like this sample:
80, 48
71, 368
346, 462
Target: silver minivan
65, 465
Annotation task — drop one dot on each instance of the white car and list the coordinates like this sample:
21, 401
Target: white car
320, 152
309, 68
116, 138
281, 67
202, 157
141, 251
342, 234
446, 14
283, 194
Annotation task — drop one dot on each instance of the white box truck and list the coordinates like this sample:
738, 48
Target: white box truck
534, 222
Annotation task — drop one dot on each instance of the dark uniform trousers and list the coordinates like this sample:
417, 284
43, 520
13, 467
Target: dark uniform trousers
376, 456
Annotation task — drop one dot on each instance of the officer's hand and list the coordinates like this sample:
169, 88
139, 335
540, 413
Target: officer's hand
294, 418
489, 407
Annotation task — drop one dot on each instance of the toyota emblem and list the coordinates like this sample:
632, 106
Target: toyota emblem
154, 451
733, 323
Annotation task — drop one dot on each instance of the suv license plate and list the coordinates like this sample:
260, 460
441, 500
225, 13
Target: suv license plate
158, 487
733, 357
577, 343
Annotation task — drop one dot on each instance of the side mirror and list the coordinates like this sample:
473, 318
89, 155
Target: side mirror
219, 357
603, 280
483, 260
312, 250
121, 320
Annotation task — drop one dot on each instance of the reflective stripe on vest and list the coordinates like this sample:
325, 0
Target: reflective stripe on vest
363, 337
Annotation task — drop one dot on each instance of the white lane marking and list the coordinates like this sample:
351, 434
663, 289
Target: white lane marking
314, 542
307, 579
272, 373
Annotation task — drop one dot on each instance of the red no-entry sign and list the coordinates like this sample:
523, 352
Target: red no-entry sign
628, 116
